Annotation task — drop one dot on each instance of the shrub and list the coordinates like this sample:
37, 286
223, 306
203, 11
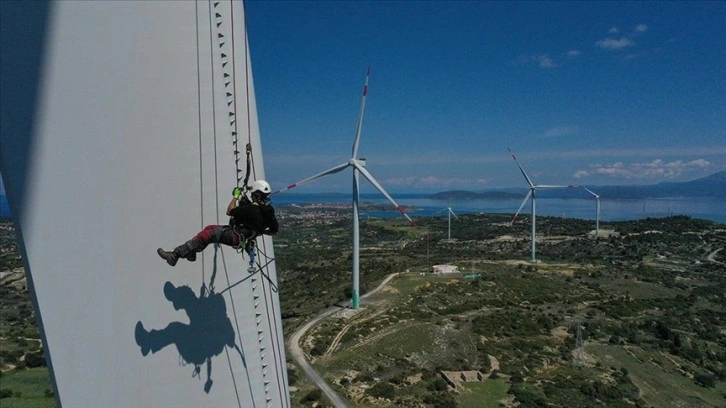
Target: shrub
363, 377
440, 401
397, 379
382, 390
438, 384
319, 349
527, 395
707, 380
312, 396
292, 377
516, 378
34, 360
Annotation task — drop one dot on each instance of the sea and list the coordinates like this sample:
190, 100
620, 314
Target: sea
421, 205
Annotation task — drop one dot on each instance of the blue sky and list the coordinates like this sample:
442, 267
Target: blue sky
594, 93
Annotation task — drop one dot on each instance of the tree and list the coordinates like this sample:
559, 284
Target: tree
312, 396
382, 390
707, 380
34, 360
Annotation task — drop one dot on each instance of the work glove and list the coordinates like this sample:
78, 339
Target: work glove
237, 193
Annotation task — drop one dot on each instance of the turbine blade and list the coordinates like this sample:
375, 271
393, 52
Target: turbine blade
590, 191
373, 181
334, 170
360, 116
554, 186
524, 173
520, 206
452, 213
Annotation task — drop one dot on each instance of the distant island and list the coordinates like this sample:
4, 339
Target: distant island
713, 186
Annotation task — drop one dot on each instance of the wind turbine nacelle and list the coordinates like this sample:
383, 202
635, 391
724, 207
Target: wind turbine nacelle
361, 162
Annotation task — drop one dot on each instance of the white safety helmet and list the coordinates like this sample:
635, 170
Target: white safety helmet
260, 186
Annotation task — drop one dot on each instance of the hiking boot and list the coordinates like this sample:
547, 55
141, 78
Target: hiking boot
188, 250
169, 257
142, 338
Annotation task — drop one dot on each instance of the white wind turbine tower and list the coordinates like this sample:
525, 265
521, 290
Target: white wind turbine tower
358, 166
450, 213
597, 211
532, 193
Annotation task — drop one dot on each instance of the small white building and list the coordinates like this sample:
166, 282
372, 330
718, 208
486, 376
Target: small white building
442, 269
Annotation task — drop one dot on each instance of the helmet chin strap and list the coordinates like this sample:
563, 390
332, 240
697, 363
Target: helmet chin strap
260, 197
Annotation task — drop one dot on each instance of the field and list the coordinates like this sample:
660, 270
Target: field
660, 377
28, 388
654, 291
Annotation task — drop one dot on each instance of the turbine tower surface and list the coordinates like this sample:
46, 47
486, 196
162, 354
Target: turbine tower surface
532, 193
358, 166
122, 137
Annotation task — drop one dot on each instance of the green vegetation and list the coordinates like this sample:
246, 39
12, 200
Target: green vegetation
9, 254
29, 388
486, 394
647, 294
643, 285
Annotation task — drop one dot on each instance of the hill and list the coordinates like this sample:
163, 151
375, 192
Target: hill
510, 323
647, 296
470, 195
710, 186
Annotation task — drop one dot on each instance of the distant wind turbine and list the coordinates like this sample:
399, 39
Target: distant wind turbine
532, 193
450, 213
358, 166
597, 211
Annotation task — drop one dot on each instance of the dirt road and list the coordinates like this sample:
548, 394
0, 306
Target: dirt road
299, 356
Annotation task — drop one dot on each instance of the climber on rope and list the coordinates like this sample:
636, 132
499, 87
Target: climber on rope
249, 218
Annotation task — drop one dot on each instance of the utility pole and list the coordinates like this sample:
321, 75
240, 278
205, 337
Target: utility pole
428, 263
579, 347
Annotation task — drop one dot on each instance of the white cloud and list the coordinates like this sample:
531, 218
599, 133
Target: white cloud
615, 43
573, 53
656, 169
625, 41
543, 60
433, 181
499, 155
639, 152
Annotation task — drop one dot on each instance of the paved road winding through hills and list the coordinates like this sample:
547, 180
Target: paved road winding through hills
299, 356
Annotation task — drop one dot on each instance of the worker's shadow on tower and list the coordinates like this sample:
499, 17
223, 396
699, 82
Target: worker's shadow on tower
206, 335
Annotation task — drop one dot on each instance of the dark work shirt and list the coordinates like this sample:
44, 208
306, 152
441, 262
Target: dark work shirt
258, 217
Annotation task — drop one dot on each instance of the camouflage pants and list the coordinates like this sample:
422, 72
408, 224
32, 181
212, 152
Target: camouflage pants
218, 234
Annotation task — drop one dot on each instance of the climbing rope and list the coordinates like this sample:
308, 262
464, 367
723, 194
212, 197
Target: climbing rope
216, 20
261, 269
226, 49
